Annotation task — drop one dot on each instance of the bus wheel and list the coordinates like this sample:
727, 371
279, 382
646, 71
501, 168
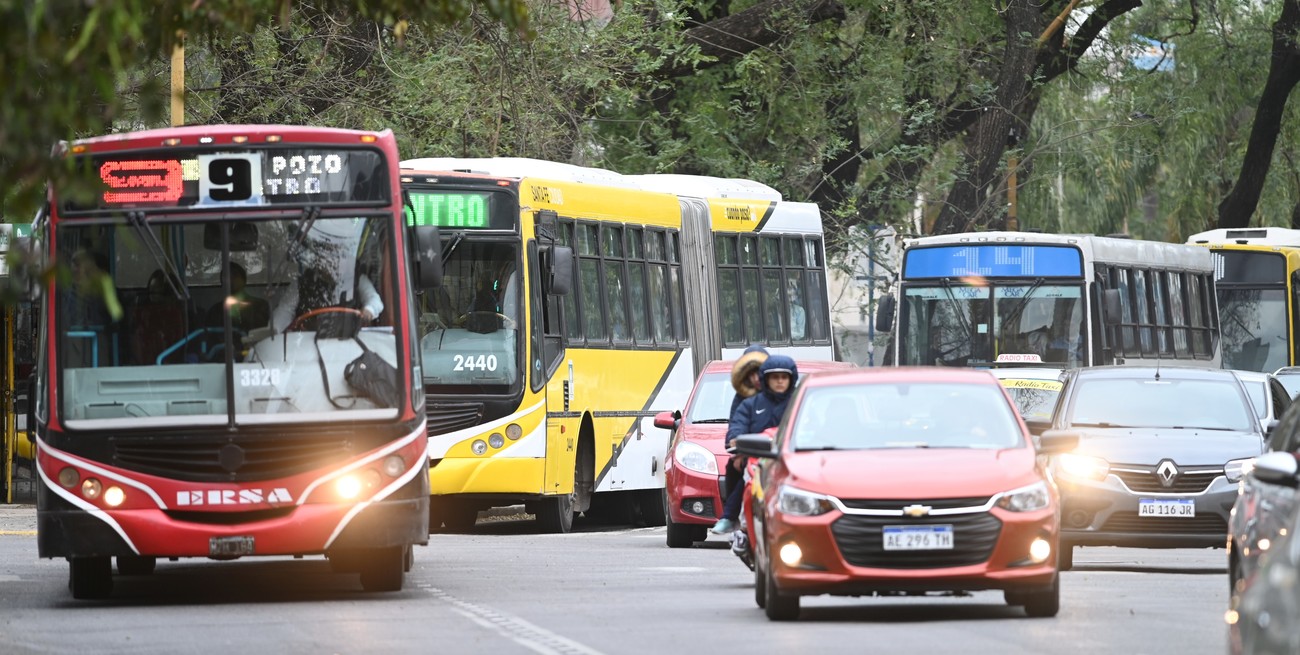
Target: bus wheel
384, 569
90, 577
136, 565
555, 515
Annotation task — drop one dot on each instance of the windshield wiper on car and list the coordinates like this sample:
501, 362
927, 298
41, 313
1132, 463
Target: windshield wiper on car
1101, 424
1199, 427
709, 420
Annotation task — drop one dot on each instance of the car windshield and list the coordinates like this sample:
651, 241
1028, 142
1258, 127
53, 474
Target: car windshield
1161, 403
910, 415
1034, 398
712, 402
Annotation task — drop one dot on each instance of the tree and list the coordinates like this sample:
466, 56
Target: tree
64, 67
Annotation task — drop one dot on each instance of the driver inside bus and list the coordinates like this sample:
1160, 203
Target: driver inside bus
331, 282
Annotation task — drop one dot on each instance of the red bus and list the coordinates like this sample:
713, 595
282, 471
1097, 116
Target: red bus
227, 370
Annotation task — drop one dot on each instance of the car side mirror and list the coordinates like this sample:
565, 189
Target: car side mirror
1277, 468
754, 445
1037, 427
667, 420
1055, 442
1270, 428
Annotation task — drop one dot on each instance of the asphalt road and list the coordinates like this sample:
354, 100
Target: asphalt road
614, 590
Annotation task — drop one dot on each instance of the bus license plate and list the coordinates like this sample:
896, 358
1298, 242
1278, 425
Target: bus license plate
1179, 508
918, 537
230, 546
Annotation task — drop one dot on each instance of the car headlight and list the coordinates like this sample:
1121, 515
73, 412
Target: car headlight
1082, 467
798, 502
1026, 499
1237, 469
694, 457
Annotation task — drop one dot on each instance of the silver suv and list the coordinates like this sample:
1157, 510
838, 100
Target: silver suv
1160, 453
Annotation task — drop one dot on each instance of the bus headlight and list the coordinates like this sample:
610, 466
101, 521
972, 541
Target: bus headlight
479, 446
348, 487
114, 496
91, 488
496, 440
69, 477
513, 432
394, 466
694, 457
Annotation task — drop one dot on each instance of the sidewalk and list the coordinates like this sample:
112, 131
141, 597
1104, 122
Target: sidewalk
17, 520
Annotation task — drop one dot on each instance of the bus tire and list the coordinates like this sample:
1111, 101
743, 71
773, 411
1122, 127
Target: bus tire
90, 578
555, 514
136, 565
384, 569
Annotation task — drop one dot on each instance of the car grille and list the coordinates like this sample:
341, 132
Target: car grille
936, 503
1189, 481
449, 417
861, 541
1131, 522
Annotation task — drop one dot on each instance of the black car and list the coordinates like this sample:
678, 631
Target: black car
1264, 615
1161, 450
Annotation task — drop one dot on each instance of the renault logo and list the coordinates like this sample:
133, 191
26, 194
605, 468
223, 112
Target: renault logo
916, 510
1167, 472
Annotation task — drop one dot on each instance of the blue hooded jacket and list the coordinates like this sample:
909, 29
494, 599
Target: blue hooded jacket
764, 409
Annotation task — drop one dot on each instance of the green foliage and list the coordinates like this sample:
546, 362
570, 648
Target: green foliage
74, 69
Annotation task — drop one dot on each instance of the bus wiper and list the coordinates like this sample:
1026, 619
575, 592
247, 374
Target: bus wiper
305, 222
1013, 316
456, 238
159, 254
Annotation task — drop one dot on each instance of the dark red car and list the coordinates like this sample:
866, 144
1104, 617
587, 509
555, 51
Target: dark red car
697, 458
903, 480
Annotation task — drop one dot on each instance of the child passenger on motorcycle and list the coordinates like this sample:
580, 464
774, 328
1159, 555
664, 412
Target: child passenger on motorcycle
761, 411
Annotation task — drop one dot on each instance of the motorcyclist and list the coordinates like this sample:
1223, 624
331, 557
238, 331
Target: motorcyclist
747, 382
757, 413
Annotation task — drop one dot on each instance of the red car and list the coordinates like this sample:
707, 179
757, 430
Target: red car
904, 480
697, 458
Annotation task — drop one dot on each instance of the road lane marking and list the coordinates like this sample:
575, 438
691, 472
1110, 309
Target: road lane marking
674, 569
17, 533
9, 578
528, 635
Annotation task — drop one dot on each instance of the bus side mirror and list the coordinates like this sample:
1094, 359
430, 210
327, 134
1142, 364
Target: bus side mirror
426, 260
885, 314
1110, 306
560, 269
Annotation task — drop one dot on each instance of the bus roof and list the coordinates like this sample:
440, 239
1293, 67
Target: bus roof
703, 186
521, 167
191, 135
1255, 236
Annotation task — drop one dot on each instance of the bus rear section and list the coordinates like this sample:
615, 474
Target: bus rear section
226, 371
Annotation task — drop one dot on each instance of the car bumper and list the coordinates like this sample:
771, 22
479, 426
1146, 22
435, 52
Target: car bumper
693, 498
1105, 513
843, 554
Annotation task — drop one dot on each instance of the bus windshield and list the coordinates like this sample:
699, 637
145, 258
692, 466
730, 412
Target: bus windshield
151, 315
964, 325
1254, 324
469, 326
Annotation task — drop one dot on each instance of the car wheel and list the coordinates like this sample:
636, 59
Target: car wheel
680, 535
136, 565
1014, 598
1065, 558
779, 606
90, 578
760, 587
1045, 603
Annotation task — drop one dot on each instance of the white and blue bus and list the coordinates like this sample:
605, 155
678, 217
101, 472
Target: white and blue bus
992, 299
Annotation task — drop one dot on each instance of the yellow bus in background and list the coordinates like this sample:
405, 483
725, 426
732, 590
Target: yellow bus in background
17, 358
575, 304
1255, 274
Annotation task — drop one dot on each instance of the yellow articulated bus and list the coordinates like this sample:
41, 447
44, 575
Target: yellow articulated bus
575, 304
1255, 273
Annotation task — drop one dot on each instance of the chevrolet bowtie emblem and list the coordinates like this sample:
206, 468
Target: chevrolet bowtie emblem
916, 510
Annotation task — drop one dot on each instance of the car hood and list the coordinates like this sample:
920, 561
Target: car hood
912, 473
710, 435
1149, 446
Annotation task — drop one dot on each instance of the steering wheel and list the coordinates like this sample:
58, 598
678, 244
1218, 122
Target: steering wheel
317, 312
506, 321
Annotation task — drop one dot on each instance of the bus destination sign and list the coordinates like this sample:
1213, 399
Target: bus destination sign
455, 210
993, 260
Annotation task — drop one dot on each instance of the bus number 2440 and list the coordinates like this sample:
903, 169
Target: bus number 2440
475, 363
